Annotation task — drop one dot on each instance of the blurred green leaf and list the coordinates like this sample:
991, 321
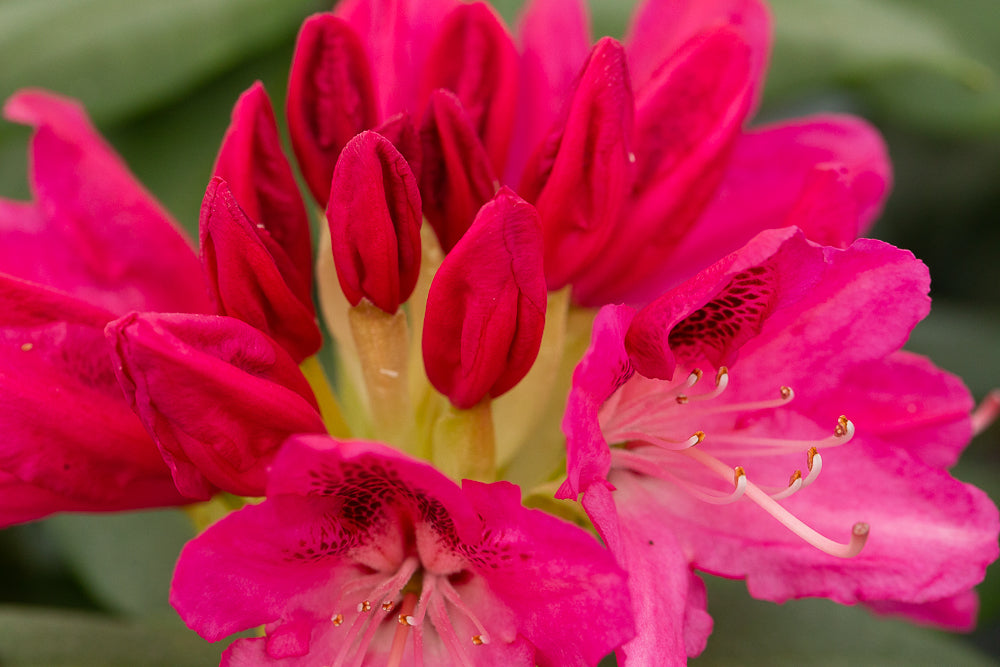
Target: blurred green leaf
819, 633
121, 57
31, 636
125, 561
822, 42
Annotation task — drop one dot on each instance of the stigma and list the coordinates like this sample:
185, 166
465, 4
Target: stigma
704, 444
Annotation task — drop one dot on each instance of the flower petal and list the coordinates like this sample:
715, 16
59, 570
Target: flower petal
659, 29
687, 119
784, 174
218, 396
397, 35
114, 245
668, 599
69, 437
724, 307
549, 68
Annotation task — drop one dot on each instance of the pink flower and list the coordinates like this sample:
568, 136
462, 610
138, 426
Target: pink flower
676, 474
635, 154
361, 555
91, 246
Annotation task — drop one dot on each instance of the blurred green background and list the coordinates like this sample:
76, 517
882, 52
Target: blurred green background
159, 78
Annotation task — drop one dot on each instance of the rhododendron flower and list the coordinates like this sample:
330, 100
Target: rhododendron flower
361, 555
91, 246
786, 335
634, 153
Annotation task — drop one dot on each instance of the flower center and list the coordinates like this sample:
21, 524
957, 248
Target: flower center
650, 421
380, 594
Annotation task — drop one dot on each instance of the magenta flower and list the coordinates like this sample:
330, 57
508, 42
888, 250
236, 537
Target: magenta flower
361, 555
676, 475
91, 246
634, 154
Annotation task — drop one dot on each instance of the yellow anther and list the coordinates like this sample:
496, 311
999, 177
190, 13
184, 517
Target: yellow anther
681, 399
387, 606
364, 606
810, 455
841, 429
737, 473
478, 640
786, 393
797, 475
337, 619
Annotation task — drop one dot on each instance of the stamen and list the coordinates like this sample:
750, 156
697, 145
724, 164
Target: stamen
479, 640
387, 606
649, 401
721, 382
364, 607
640, 463
794, 484
986, 413
815, 462
842, 434
402, 632
337, 620
665, 443
859, 532
785, 394
455, 599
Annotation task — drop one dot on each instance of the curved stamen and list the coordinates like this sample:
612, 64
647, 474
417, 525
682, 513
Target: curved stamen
445, 630
665, 443
648, 402
815, 462
452, 596
721, 382
842, 434
986, 413
785, 395
859, 533
794, 484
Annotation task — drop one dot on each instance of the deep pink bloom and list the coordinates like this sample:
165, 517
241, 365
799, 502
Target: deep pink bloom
795, 335
635, 155
217, 395
486, 306
374, 217
361, 555
91, 246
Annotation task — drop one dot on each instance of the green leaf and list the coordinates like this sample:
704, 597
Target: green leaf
121, 57
54, 638
819, 633
856, 41
124, 560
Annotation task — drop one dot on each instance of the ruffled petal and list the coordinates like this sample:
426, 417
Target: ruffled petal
69, 436
106, 240
218, 396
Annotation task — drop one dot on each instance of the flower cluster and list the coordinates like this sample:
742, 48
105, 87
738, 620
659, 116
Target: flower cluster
627, 316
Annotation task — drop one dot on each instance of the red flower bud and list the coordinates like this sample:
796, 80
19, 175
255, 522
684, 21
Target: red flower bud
255, 168
374, 217
474, 57
456, 178
331, 97
579, 178
486, 307
249, 274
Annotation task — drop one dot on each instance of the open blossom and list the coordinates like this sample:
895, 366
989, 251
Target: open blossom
634, 153
786, 335
91, 246
361, 555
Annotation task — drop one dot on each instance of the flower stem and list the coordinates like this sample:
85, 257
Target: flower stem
329, 407
382, 341
464, 443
